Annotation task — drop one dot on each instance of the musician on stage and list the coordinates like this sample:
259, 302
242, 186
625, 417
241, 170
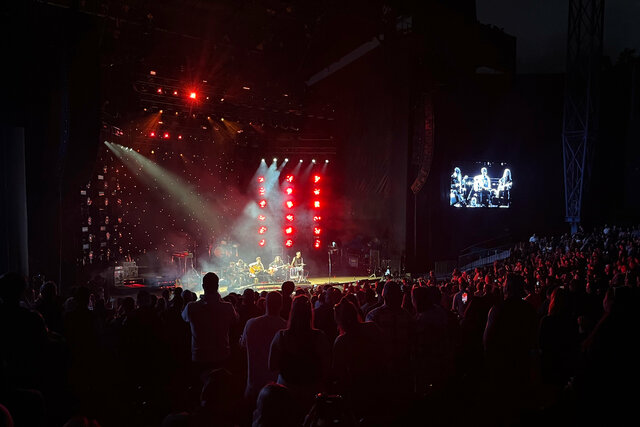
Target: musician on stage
483, 192
277, 262
297, 273
457, 188
503, 192
257, 266
297, 261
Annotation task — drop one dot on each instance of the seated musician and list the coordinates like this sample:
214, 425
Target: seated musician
504, 186
457, 188
297, 261
277, 263
256, 266
482, 184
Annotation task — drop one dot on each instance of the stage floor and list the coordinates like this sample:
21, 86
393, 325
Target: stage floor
313, 281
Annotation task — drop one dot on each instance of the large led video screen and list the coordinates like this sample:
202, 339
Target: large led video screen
480, 185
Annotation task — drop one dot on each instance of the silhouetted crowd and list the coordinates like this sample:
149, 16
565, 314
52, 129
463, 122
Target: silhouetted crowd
547, 336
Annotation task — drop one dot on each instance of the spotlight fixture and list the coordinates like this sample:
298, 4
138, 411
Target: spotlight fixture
286, 159
326, 161
300, 160
313, 160
263, 160
192, 95
275, 159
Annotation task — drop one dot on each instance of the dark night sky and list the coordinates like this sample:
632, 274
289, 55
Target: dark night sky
541, 29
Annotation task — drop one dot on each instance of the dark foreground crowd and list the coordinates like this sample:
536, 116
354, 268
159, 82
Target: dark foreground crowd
546, 337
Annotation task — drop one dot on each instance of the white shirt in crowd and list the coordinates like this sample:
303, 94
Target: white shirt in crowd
256, 337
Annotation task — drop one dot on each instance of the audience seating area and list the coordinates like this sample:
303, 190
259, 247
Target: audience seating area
544, 337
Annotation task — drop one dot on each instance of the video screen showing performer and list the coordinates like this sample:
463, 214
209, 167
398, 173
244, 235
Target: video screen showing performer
481, 185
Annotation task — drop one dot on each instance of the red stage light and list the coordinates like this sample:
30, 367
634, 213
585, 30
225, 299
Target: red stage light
316, 191
192, 95
316, 230
159, 90
262, 230
262, 204
289, 204
316, 244
289, 190
175, 92
289, 178
166, 135
316, 204
179, 136
261, 179
262, 242
289, 217
317, 218
288, 243
261, 217
152, 134
316, 178
261, 191
288, 230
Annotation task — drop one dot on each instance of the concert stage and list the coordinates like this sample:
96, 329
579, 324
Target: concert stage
312, 281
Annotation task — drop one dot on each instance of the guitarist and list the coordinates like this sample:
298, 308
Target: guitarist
256, 267
276, 264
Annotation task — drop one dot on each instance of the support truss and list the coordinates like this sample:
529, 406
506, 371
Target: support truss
581, 100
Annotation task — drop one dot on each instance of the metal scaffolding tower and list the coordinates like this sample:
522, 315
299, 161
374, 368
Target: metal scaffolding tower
581, 100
